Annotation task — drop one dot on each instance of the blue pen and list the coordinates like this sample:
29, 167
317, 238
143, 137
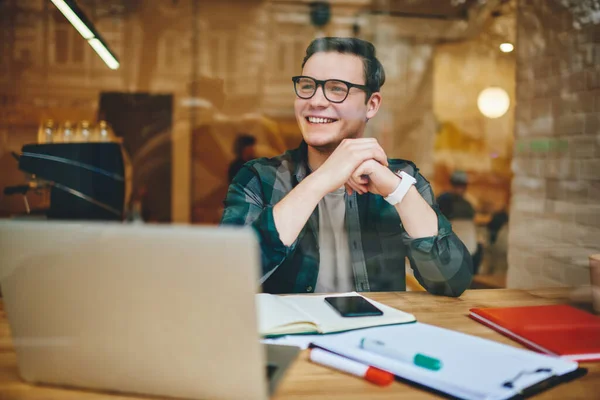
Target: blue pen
379, 347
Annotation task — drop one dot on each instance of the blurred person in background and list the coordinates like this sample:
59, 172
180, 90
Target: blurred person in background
335, 214
461, 213
497, 248
453, 203
244, 149
498, 221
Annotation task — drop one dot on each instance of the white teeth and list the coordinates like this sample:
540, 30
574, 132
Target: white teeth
315, 120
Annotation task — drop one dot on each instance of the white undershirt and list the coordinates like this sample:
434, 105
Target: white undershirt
335, 271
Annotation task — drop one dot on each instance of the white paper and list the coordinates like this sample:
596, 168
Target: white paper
273, 313
473, 368
301, 341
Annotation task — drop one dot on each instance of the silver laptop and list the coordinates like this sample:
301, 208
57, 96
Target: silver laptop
160, 310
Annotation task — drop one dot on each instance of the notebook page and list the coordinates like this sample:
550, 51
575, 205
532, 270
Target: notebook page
329, 320
473, 368
274, 313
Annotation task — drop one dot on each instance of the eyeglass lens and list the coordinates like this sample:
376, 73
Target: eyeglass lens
335, 91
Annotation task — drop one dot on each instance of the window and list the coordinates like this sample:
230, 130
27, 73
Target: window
68, 44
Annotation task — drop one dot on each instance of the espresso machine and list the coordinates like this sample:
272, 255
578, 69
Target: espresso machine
86, 181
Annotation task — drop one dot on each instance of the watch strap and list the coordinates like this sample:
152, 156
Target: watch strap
406, 181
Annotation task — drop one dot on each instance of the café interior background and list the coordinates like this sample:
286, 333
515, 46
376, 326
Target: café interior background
193, 74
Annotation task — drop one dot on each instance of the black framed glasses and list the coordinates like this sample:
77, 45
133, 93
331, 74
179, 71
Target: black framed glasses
335, 90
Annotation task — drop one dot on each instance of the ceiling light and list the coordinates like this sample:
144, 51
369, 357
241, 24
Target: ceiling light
79, 21
104, 53
493, 102
507, 47
73, 19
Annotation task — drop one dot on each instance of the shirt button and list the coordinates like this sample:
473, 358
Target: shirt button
309, 288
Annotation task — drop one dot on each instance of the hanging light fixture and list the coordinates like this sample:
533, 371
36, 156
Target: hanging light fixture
507, 47
493, 102
86, 29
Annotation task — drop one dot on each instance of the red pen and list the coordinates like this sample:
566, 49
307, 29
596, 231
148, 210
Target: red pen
371, 374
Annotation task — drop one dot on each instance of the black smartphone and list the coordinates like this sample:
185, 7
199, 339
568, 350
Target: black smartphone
353, 306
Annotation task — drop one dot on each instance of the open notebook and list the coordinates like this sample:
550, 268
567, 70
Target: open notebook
301, 314
472, 367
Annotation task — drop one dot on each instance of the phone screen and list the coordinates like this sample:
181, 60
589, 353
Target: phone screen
353, 306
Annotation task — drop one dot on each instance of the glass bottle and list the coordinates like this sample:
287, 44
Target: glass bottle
46, 132
83, 132
67, 132
103, 132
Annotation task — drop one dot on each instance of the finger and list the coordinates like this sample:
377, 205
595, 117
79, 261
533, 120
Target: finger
380, 156
373, 154
363, 152
353, 186
360, 178
349, 189
360, 189
373, 144
362, 171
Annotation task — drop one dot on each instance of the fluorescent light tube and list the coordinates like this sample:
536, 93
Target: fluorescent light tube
87, 33
73, 19
104, 53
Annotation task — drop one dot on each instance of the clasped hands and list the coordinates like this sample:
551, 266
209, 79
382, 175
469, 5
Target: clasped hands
361, 166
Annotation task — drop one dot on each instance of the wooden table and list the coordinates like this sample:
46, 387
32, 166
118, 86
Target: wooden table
489, 281
309, 381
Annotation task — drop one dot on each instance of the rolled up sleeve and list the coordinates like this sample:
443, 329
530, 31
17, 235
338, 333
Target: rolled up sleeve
442, 264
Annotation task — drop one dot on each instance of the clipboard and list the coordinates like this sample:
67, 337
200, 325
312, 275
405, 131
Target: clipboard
473, 368
550, 383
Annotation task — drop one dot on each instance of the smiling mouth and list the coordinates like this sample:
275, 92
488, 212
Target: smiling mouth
319, 120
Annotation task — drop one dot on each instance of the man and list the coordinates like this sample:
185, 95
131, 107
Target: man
453, 203
320, 211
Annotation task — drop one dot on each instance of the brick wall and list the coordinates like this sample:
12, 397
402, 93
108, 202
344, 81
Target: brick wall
555, 207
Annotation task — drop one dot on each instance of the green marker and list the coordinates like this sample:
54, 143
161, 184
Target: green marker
379, 347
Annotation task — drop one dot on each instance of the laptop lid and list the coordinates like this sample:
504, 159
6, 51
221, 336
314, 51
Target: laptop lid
162, 310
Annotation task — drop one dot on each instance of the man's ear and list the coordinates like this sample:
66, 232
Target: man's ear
373, 105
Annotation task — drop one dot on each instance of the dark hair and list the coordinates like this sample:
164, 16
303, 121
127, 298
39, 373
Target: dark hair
459, 178
242, 141
373, 70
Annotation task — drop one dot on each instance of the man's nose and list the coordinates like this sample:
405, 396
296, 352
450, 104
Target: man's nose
319, 99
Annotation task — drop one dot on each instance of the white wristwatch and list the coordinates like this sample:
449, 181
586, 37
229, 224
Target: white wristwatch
406, 181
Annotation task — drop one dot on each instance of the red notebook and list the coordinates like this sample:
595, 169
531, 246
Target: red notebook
558, 330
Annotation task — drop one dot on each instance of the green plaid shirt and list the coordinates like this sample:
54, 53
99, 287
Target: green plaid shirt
377, 240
